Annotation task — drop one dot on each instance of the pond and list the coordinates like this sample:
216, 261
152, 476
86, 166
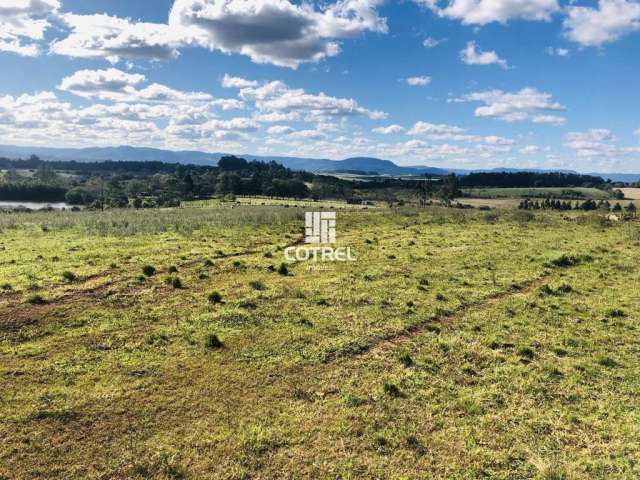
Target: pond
34, 205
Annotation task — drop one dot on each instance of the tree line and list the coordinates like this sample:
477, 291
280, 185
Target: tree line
530, 180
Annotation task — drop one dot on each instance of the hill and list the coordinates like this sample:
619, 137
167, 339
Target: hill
317, 165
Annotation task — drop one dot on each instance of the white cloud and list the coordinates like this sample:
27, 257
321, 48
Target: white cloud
529, 149
431, 42
421, 81
425, 128
498, 141
391, 129
482, 12
237, 82
276, 97
91, 83
102, 36
596, 142
116, 85
277, 32
549, 119
637, 132
557, 52
228, 104
592, 27
471, 55
23, 24
277, 117
280, 130
525, 104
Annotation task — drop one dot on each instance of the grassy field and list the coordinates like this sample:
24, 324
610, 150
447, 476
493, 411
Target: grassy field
276, 202
631, 193
518, 193
459, 345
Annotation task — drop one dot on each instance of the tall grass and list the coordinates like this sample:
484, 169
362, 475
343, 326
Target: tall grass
133, 222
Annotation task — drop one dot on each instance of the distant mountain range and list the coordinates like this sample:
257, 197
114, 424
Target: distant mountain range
316, 165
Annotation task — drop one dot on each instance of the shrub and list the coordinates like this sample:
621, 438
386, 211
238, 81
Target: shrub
607, 362
406, 360
257, 285
212, 342
6, 287
564, 288
173, 269
565, 260
36, 299
526, 352
616, 313
208, 263
392, 390
149, 270
215, 297
283, 270
176, 282
69, 276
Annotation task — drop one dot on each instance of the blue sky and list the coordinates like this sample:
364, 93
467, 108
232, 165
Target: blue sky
455, 83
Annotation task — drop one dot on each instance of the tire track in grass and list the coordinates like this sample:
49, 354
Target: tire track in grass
452, 318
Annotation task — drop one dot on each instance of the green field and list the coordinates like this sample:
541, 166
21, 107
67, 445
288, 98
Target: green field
560, 192
459, 345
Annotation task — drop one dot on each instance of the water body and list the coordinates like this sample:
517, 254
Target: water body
34, 205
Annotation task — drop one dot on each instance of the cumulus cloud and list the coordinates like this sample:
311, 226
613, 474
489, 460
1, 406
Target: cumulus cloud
280, 130
23, 24
523, 105
431, 42
483, 12
277, 98
592, 143
228, 104
276, 32
529, 150
425, 128
237, 82
103, 36
471, 55
114, 84
593, 27
421, 81
599, 143
557, 52
391, 129
549, 119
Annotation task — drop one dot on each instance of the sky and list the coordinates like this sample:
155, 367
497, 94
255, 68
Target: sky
450, 83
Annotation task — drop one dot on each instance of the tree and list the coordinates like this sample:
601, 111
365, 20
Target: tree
631, 209
449, 189
425, 190
230, 163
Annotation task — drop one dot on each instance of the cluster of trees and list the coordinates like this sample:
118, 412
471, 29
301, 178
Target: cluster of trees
562, 205
151, 184
531, 180
446, 189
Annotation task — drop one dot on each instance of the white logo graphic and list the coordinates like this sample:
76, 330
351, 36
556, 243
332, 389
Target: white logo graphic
320, 227
320, 230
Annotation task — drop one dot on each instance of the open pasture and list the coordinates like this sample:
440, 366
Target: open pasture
631, 193
170, 344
